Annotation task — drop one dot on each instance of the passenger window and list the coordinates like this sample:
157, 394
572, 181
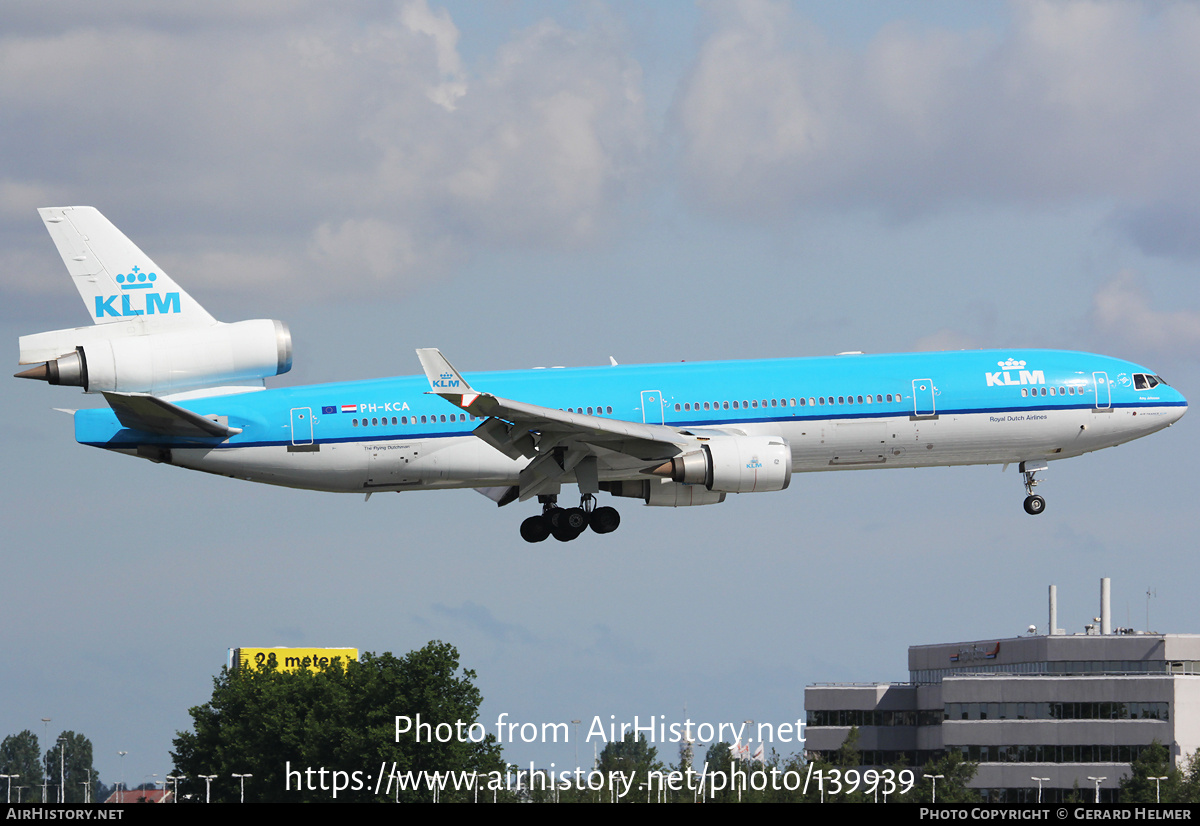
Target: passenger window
756, 402
354, 423
706, 405
735, 404
889, 396
822, 401
423, 420
774, 403
725, 405
609, 409
1024, 392
860, 399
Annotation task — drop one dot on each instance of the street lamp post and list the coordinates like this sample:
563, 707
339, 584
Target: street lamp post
208, 779
9, 777
62, 769
121, 797
1158, 788
242, 778
1098, 781
935, 778
1039, 782
175, 778
46, 762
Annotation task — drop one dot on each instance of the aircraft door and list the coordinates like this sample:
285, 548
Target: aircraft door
652, 407
302, 431
923, 403
1103, 391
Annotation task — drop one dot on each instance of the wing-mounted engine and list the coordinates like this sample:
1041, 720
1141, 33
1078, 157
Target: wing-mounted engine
664, 493
733, 464
123, 358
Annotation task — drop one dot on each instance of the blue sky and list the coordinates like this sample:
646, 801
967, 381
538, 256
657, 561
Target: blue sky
526, 184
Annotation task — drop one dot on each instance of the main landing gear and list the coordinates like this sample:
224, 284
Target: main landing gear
1034, 504
565, 524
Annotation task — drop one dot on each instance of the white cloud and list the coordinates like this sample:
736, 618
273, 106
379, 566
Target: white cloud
1121, 310
1075, 100
357, 135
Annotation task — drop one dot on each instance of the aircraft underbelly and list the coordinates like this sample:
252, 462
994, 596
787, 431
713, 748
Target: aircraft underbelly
817, 445
956, 439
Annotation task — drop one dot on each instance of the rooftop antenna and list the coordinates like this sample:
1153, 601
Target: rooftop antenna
1150, 592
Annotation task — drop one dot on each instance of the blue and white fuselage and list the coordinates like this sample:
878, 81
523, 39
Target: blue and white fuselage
838, 413
187, 390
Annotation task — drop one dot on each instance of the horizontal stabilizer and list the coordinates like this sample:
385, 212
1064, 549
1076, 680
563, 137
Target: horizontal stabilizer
150, 414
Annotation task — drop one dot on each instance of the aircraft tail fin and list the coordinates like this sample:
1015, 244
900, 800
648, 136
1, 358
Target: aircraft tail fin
117, 281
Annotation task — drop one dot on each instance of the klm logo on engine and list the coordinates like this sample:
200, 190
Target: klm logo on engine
1005, 375
132, 283
754, 464
446, 380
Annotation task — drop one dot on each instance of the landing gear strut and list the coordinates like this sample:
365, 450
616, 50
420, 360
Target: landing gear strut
565, 524
1034, 504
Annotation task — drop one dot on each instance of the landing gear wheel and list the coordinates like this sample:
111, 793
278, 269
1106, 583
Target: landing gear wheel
1034, 505
564, 533
535, 529
604, 520
567, 523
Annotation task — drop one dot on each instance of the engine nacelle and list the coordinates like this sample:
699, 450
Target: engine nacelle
664, 493
110, 358
734, 464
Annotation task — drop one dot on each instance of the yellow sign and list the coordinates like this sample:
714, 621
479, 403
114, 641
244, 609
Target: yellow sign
292, 659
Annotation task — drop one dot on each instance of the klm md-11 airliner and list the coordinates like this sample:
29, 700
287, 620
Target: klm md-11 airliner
186, 390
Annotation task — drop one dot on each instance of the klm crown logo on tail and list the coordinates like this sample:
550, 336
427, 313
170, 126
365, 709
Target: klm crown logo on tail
153, 303
446, 380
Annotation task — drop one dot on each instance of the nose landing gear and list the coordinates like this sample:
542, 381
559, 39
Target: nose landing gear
565, 524
1034, 504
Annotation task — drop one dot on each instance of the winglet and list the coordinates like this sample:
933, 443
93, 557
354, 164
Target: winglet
443, 378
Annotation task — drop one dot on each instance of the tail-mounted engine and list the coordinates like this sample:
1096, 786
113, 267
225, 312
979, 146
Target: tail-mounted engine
116, 357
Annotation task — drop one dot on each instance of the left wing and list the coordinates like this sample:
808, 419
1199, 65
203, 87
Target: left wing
555, 441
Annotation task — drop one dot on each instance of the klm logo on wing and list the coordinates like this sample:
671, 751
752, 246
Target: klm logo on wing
151, 303
1007, 368
446, 380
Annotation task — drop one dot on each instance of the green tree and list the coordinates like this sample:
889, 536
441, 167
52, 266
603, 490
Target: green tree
631, 757
20, 754
1138, 787
284, 728
955, 771
72, 752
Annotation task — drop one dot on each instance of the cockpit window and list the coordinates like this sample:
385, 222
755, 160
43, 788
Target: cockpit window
1141, 381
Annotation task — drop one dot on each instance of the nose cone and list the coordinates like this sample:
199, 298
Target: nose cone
1180, 408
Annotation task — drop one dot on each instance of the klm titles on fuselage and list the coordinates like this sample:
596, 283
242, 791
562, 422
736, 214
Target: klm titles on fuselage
1003, 377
